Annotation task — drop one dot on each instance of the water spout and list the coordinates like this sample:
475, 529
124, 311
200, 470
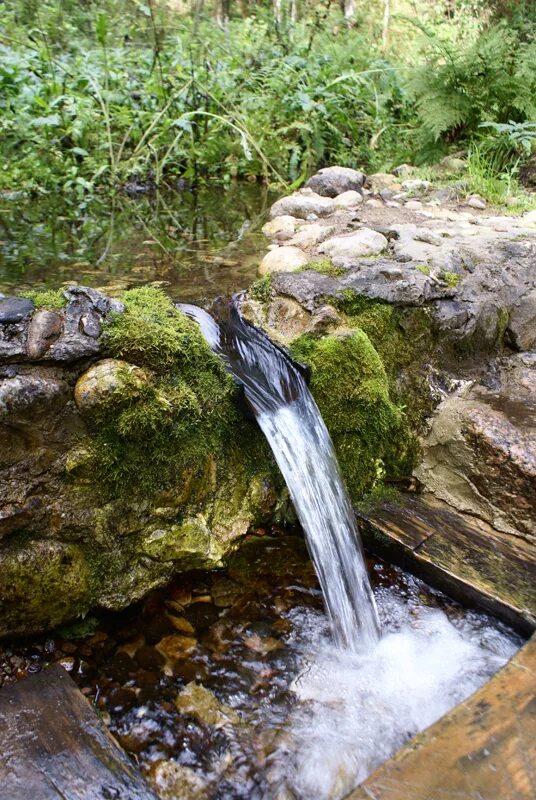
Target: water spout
290, 419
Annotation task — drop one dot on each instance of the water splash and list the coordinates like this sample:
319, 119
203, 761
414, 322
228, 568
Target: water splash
290, 419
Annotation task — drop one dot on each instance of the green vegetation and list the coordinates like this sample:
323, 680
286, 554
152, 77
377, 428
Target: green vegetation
452, 279
109, 92
351, 387
261, 290
151, 430
51, 299
324, 266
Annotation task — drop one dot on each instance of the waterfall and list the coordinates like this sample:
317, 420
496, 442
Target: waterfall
289, 418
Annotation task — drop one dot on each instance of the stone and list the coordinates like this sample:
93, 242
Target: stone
176, 647
14, 309
334, 181
30, 396
413, 205
301, 204
201, 703
309, 235
45, 327
522, 322
530, 218
348, 199
104, 378
453, 164
282, 259
281, 228
173, 781
364, 242
416, 186
480, 457
374, 202
41, 584
403, 170
475, 201
383, 180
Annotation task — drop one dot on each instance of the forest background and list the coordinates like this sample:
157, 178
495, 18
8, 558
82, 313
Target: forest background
102, 93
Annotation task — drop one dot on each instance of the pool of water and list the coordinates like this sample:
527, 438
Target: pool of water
227, 684
195, 244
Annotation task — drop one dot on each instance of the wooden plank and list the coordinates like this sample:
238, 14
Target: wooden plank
465, 557
53, 745
484, 749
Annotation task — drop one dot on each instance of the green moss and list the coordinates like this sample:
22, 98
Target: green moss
324, 266
351, 387
424, 268
452, 279
261, 290
147, 434
51, 299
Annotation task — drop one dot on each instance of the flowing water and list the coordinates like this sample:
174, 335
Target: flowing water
295, 430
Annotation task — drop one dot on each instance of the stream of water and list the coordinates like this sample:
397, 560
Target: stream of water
295, 430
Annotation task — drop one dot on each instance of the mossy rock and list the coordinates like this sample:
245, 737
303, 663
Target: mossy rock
351, 388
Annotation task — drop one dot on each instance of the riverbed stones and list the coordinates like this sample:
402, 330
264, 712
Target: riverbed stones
202, 704
334, 181
104, 378
348, 199
302, 204
383, 180
44, 329
364, 242
282, 259
476, 201
281, 228
14, 309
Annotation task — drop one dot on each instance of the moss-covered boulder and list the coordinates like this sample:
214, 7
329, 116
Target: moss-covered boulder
125, 458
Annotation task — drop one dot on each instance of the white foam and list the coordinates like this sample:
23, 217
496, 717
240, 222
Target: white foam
354, 712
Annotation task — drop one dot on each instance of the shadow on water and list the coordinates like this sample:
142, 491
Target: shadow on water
199, 244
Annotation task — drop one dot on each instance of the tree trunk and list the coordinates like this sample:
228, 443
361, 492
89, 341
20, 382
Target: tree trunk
349, 10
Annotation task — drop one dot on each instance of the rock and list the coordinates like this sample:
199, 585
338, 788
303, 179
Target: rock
522, 322
453, 164
309, 235
403, 170
413, 205
383, 180
348, 199
201, 703
41, 584
530, 218
176, 647
527, 173
287, 317
104, 378
333, 181
281, 228
30, 395
475, 201
14, 309
364, 242
375, 203
480, 455
416, 186
174, 781
45, 327
282, 259
303, 203
70, 477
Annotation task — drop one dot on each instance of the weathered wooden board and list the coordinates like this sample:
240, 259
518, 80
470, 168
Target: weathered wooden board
53, 745
460, 554
484, 749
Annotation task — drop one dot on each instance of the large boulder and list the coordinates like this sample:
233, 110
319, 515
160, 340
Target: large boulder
124, 456
333, 181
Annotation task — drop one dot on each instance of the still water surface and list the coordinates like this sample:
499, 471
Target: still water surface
200, 244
